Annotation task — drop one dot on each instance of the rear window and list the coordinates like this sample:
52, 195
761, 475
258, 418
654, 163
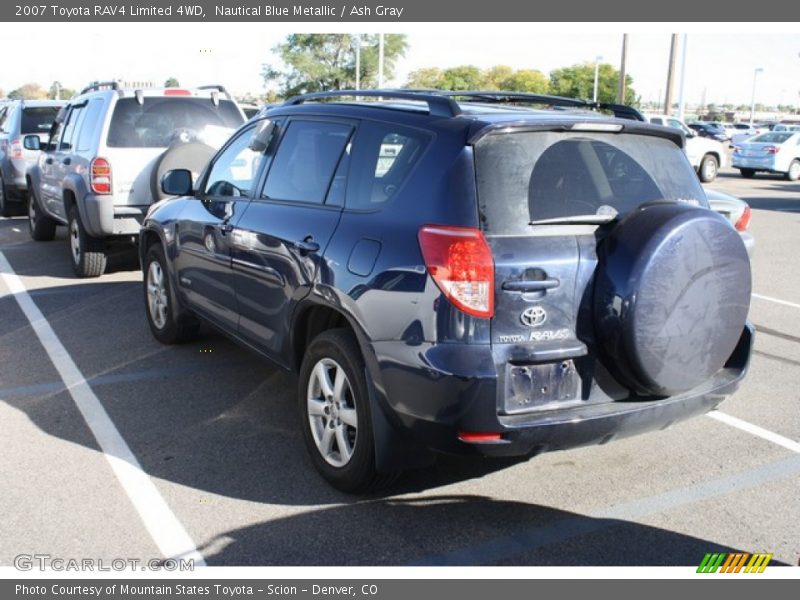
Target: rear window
773, 137
38, 119
160, 121
536, 176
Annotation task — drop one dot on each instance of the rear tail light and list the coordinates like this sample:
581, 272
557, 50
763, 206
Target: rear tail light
100, 177
15, 149
744, 221
772, 149
460, 262
737, 149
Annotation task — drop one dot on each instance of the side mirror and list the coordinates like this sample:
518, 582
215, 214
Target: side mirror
177, 182
32, 142
262, 136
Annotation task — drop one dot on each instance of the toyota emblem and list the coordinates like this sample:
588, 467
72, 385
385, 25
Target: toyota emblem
533, 316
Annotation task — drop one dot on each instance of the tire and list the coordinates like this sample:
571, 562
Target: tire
709, 167
6, 206
193, 156
169, 322
88, 254
793, 174
671, 295
747, 173
342, 449
41, 227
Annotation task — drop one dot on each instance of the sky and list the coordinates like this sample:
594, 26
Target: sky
719, 65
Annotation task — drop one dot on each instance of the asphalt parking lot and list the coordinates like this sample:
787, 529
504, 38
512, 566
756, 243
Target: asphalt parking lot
158, 450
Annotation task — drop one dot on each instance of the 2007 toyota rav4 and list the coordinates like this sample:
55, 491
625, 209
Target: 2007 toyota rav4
457, 272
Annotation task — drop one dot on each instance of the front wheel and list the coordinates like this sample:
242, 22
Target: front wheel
335, 412
42, 228
708, 168
747, 173
88, 254
168, 322
793, 174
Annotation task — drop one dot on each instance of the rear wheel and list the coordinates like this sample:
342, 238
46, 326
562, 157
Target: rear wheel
41, 227
169, 323
335, 412
747, 173
708, 168
793, 174
88, 254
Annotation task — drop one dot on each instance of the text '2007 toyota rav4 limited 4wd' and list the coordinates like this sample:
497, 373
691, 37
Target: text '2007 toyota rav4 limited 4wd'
457, 273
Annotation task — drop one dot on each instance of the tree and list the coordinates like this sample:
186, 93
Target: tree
29, 91
315, 62
58, 92
171, 82
526, 80
465, 77
426, 78
577, 81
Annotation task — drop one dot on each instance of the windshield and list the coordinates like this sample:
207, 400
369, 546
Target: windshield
38, 119
160, 121
773, 137
530, 177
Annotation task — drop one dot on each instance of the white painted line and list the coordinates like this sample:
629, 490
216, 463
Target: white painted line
755, 430
161, 523
776, 300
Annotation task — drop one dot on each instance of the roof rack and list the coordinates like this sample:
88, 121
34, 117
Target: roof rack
97, 85
219, 88
439, 105
620, 111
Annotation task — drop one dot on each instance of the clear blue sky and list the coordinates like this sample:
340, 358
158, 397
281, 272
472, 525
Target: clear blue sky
721, 63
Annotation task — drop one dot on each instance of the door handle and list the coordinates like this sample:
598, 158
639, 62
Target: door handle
307, 244
49, 161
534, 285
225, 228
66, 161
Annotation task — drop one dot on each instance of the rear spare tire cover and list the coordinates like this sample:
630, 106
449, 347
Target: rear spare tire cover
193, 156
671, 296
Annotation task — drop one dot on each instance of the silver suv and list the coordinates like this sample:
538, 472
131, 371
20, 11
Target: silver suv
18, 119
99, 171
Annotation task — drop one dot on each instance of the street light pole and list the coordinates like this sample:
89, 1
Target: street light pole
753, 98
358, 62
380, 61
597, 60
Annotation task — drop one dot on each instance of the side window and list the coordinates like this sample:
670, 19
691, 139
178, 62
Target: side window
69, 128
55, 134
4, 113
307, 157
234, 171
91, 116
383, 157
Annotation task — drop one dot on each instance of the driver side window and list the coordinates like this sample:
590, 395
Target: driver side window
234, 172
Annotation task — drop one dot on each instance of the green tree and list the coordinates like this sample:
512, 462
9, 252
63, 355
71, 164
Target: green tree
577, 81
171, 82
29, 91
426, 78
526, 80
495, 78
59, 92
314, 62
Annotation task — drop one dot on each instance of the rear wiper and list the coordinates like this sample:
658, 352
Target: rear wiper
577, 219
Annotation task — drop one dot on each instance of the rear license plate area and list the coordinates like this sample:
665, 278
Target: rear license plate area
540, 387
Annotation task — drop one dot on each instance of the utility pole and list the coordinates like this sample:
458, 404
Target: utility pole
621, 88
673, 51
681, 99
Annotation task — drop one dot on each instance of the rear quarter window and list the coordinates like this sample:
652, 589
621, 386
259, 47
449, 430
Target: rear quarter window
38, 119
533, 176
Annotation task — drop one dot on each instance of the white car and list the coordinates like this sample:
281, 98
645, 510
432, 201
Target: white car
707, 156
773, 152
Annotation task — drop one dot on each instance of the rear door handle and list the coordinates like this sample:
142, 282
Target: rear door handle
49, 161
534, 285
66, 161
307, 245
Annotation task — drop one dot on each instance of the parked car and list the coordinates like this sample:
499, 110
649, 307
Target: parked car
707, 156
772, 152
105, 154
18, 119
549, 273
736, 211
744, 131
707, 130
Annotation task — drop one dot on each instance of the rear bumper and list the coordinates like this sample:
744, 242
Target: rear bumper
757, 164
103, 219
437, 391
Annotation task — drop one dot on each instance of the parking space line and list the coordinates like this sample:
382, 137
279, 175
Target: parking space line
161, 523
755, 430
776, 300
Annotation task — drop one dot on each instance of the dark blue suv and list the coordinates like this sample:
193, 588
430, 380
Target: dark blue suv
485, 273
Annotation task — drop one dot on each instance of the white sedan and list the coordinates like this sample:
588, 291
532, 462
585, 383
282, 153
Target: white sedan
773, 152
